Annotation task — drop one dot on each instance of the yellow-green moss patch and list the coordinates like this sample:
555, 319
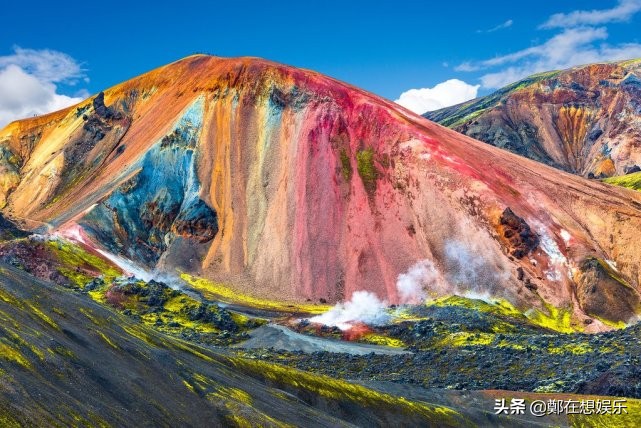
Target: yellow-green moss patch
556, 319
367, 169
379, 339
341, 390
218, 291
630, 181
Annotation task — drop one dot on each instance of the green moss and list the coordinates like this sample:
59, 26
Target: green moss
367, 169
62, 351
612, 273
500, 307
571, 348
465, 113
235, 394
170, 311
630, 181
618, 325
43, 316
8, 298
10, 353
106, 339
18, 341
234, 418
465, 338
379, 339
59, 312
77, 278
507, 344
467, 118
190, 348
346, 166
189, 386
78, 265
556, 319
98, 295
100, 322
141, 334
624, 420
8, 421
217, 291
342, 391
630, 62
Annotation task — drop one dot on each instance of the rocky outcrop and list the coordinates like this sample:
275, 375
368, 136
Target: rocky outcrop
102, 110
601, 292
9, 230
87, 150
9, 173
522, 240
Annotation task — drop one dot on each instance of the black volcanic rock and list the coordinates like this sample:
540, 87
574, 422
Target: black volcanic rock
9, 230
518, 233
632, 169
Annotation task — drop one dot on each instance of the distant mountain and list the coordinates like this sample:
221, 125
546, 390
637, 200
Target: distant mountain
287, 184
585, 120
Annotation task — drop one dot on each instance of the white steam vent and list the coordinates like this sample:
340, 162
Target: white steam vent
365, 307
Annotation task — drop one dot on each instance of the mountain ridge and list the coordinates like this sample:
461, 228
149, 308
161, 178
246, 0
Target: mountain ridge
585, 120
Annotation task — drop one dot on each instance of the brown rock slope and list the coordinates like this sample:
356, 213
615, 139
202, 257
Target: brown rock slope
289, 184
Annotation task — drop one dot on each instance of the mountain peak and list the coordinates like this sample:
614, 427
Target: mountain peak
288, 184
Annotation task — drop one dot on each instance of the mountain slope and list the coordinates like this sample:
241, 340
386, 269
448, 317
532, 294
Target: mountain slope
585, 120
67, 361
288, 184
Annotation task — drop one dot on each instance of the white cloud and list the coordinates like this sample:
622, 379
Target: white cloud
570, 48
579, 42
467, 66
502, 26
444, 94
624, 10
29, 82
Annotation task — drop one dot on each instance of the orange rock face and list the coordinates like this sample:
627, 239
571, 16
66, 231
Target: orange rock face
288, 184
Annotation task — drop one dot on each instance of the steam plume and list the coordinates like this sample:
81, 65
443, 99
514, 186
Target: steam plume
363, 307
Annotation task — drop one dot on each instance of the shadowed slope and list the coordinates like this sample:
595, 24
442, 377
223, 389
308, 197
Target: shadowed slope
66, 360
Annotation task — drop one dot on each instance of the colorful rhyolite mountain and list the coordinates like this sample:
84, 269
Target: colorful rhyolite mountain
287, 184
585, 120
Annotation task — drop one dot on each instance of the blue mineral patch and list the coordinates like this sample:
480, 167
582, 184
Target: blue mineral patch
141, 218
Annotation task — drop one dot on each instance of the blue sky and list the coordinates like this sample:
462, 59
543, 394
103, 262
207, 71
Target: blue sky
73, 50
